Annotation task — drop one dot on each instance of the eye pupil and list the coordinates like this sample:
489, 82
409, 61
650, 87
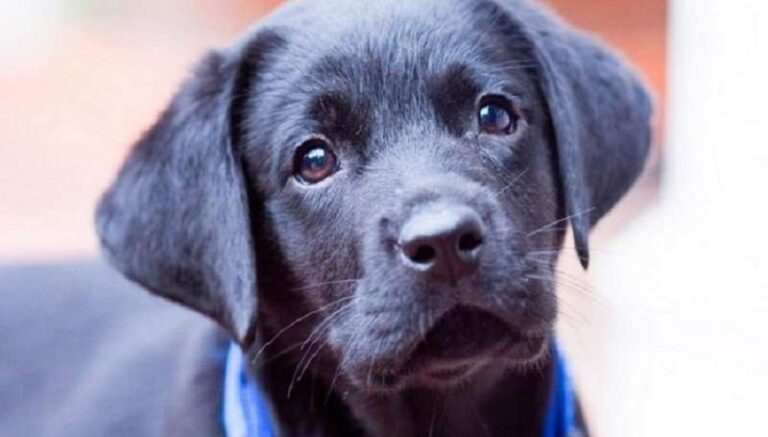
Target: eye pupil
315, 159
315, 162
494, 119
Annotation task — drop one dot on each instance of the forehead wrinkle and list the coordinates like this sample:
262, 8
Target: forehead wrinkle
391, 71
339, 116
375, 80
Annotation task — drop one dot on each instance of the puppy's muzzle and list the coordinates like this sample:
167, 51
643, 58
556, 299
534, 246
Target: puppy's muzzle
442, 240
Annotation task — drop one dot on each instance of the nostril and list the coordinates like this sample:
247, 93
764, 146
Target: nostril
424, 254
443, 240
470, 241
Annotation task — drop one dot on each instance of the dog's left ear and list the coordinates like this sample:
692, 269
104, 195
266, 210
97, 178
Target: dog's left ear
177, 219
600, 110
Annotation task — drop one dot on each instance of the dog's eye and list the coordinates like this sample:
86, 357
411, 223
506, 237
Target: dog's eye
495, 116
314, 161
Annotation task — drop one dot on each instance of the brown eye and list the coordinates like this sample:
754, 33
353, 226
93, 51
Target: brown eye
495, 116
314, 161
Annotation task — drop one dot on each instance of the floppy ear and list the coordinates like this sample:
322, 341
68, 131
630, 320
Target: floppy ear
177, 219
600, 111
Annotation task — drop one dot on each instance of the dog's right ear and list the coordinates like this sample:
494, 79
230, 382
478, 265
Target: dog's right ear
177, 219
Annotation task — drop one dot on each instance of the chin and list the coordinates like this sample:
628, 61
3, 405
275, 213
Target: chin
462, 344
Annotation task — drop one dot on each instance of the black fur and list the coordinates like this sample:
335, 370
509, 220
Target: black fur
207, 200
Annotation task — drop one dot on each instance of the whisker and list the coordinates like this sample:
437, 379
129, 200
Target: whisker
584, 287
556, 229
476, 410
336, 374
432, 420
514, 181
314, 337
309, 361
323, 284
558, 221
327, 321
296, 322
569, 283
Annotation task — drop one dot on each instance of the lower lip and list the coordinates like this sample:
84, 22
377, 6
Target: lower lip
450, 373
445, 373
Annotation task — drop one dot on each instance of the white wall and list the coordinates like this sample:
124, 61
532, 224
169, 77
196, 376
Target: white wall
687, 339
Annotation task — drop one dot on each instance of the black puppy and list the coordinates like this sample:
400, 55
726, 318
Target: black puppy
370, 198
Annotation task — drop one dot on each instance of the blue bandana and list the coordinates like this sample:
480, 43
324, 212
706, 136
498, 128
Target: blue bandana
246, 414
561, 412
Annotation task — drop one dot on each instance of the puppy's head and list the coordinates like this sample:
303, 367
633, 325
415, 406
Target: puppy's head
390, 184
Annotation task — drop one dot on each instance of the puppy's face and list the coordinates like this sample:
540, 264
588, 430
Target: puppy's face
408, 178
377, 190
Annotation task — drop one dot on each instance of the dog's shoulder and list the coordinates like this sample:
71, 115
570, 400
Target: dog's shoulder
85, 352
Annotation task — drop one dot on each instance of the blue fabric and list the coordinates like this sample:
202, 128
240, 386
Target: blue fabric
561, 412
245, 412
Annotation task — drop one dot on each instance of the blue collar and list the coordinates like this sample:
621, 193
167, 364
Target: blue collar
246, 413
561, 411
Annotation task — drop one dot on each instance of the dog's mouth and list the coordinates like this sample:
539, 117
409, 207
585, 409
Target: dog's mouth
463, 341
459, 338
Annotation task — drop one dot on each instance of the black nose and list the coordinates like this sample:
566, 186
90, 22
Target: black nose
443, 240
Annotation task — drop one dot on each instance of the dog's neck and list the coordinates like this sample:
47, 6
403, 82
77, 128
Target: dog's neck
494, 402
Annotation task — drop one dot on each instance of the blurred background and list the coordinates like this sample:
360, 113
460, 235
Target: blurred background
665, 332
